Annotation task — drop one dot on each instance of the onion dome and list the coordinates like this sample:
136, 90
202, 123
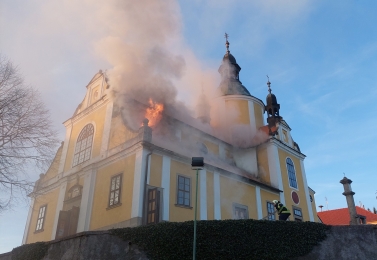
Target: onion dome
229, 71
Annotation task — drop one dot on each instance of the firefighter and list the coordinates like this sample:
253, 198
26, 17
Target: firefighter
282, 210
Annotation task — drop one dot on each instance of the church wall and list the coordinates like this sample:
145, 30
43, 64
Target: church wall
98, 117
287, 189
239, 111
102, 215
263, 168
179, 213
233, 191
258, 112
212, 147
313, 205
267, 196
119, 133
50, 199
210, 197
155, 170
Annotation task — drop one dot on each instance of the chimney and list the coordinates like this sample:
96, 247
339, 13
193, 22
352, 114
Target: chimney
145, 132
350, 201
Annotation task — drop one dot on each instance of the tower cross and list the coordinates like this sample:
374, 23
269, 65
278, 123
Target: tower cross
269, 84
226, 36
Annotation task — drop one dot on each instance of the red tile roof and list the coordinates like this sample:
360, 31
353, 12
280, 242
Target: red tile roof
342, 216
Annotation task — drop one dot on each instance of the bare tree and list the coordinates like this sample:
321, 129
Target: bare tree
26, 135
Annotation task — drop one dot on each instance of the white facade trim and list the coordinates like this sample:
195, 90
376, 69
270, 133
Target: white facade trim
274, 168
106, 128
86, 201
138, 188
259, 202
216, 196
165, 184
203, 194
27, 226
253, 127
307, 194
59, 207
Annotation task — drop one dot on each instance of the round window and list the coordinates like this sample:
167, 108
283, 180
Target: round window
295, 197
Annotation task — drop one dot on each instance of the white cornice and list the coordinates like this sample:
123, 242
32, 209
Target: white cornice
286, 148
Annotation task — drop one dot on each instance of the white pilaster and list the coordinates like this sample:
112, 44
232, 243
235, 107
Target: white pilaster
217, 198
165, 184
65, 148
87, 201
203, 194
59, 207
26, 231
252, 118
310, 210
138, 189
107, 126
259, 202
274, 168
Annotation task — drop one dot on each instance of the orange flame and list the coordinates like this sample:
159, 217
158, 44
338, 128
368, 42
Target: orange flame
154, 112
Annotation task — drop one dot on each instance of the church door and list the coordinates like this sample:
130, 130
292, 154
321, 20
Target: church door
153, 207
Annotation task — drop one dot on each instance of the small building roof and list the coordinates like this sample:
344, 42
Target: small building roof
338, 217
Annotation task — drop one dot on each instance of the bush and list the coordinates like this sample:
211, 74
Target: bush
35, 251
226, 239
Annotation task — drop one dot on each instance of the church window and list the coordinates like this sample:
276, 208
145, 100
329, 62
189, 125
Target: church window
270, 211
291, 173
41, 218
297, 214
240, 211
184, 191
84, 145
285, 136
115, 189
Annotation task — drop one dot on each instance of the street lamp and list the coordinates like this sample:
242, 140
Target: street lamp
197, 163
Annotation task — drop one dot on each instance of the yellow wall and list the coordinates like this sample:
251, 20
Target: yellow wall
54, 167
119, 133
287, 190
210, 197
263, 169
98, 117
233, 191
267, 196
101, 216
240, 108
258, 112
178, 213
314, 208
213, 148
155, 170
51, 200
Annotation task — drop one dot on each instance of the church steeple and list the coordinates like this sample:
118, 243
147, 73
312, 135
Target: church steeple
229, 71
272, 107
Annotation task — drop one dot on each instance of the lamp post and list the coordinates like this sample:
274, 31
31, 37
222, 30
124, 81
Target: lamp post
197, 163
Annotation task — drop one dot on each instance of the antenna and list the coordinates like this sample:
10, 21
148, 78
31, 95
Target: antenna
327, 204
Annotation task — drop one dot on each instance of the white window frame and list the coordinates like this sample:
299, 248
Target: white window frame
297, 216
41, 218
112, 191
294, 168
87, 153
242, 207
177, 192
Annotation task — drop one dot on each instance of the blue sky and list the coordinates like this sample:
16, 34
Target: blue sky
321, 57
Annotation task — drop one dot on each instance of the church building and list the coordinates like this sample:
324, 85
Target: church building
108, 174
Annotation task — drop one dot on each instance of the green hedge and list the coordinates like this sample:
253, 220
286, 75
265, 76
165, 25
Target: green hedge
35, 251
226, 239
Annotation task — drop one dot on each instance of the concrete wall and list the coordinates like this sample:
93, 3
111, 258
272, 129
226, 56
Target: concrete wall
342, 242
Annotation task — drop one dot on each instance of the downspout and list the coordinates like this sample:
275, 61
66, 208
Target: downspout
144, 219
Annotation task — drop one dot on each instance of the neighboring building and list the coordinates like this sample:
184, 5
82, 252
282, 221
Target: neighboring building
338, 217
107, 174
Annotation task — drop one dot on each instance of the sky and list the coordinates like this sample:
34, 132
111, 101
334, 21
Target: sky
320, 56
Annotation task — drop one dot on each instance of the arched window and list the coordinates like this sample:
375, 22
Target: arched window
291, 173
84, 145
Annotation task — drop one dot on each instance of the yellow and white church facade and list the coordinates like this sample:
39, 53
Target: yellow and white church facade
109, 175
